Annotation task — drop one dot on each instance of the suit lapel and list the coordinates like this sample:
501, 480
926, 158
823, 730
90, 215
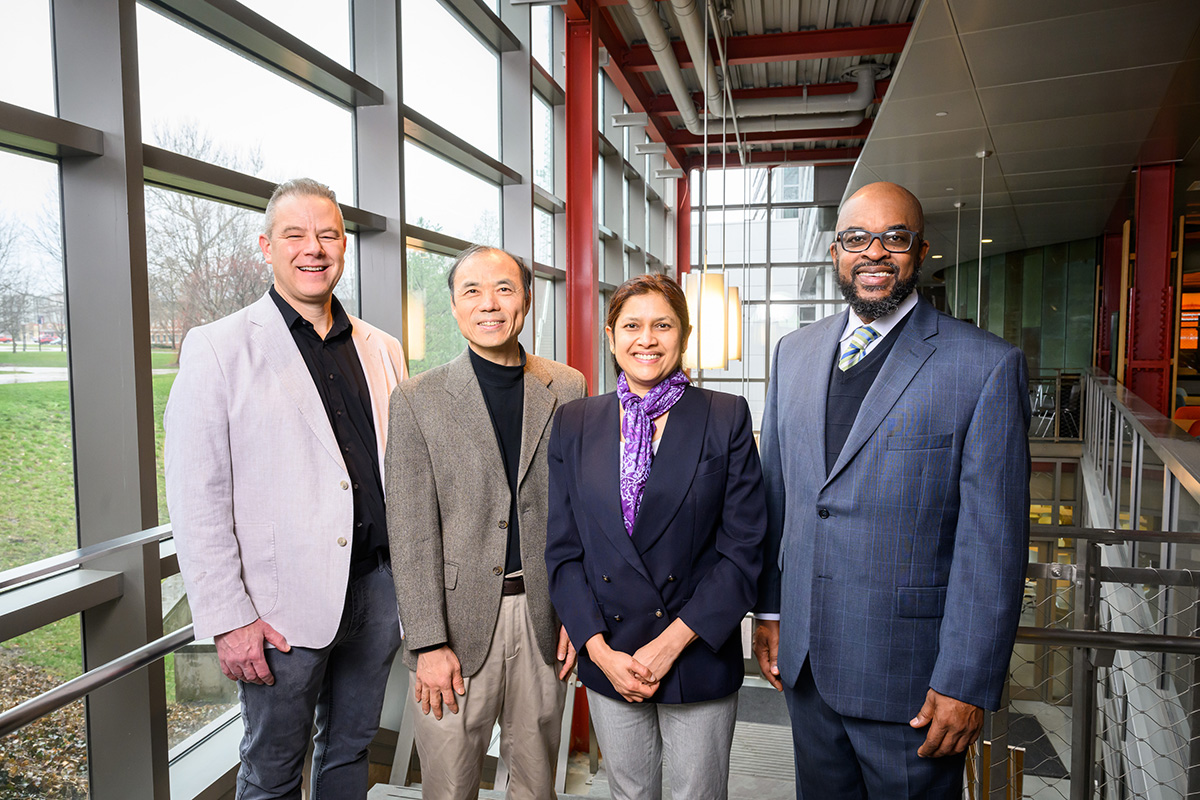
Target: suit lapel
538, 408
805, 414
469, 409
271, 335
909, 353
673, 468
601, 461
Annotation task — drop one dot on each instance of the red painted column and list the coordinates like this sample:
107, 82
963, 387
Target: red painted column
1110, 301
1152, 308
583, 150
683, 227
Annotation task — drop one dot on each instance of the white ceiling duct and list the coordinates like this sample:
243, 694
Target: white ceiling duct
791, 113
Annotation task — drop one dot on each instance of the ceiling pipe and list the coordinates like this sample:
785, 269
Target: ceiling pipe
690, 25
646, 12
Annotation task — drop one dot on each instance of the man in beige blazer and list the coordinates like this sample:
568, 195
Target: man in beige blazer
467, 487
275, 433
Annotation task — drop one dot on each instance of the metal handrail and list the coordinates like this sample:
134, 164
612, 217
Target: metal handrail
1110, 640
73, 558
48, 702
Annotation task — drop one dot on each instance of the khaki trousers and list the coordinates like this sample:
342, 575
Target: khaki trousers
515, 686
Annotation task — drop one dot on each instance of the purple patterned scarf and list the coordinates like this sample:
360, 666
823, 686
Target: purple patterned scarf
638, 430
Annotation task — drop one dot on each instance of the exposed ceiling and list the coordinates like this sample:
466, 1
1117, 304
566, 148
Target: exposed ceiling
775, 49
1069, 96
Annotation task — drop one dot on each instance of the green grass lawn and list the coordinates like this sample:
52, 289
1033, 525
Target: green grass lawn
37, 500
53, 357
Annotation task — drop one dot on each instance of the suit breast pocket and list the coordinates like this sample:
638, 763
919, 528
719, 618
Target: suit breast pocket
926, 441
260, 570
711, 466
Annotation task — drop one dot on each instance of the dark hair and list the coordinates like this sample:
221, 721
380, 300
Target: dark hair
477, 249
650, 283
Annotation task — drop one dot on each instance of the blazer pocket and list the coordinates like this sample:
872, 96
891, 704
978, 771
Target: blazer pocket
920, 601
927, 441
451, 570
710, 466
260, 572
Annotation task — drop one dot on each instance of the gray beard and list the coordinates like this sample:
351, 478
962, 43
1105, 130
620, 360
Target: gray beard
876, 309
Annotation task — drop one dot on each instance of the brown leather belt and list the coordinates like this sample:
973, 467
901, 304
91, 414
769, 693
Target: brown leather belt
513, 586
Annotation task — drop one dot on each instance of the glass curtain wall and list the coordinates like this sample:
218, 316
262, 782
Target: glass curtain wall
762, 228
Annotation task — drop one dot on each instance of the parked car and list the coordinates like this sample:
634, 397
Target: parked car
4, 337
48, 338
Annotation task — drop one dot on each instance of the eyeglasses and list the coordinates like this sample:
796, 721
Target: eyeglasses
894, 241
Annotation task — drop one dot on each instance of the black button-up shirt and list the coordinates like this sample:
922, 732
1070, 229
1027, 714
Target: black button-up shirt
342, 384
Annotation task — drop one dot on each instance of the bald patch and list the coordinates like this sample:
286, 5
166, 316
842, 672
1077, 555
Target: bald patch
892, 196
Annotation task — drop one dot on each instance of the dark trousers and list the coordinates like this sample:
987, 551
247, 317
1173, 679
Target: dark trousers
847, 758
341, 686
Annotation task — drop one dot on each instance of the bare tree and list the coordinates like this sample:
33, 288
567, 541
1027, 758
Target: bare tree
203, 256
15, 294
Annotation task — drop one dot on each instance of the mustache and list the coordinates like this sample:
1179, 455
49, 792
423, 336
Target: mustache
864, 266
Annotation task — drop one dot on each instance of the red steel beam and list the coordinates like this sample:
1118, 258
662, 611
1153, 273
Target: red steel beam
664, 105
633, 88
837, 154
683, 227
867, 40
582, 132
683, 138
1152, 310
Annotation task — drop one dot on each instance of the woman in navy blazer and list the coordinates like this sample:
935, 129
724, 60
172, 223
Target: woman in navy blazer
652, 574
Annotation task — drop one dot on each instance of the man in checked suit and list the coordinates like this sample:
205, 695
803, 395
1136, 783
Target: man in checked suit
895, 454
467, 487
275, 433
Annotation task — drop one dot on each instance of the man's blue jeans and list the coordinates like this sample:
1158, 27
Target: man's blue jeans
341, 686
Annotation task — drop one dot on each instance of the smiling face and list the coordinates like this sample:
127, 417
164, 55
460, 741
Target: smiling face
306, 249
875, 281
489, 304
647, 341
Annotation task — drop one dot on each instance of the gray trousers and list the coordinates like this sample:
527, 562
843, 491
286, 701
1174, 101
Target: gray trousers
696, 738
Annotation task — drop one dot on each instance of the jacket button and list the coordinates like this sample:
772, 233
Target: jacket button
658, 613
617, 618
497, 571
503, 523
341, 541
670, 578
607, 579
823, 513
345, 485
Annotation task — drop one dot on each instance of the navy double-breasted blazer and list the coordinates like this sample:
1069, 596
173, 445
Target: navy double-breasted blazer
695, 552
902, 568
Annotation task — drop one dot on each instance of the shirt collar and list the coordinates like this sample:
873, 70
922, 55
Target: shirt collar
883, 326
292, 318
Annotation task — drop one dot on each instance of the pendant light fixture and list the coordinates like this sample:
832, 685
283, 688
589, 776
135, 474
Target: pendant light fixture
716, 315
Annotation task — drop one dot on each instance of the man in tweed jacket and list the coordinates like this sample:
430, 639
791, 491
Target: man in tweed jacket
467, 487
896, 456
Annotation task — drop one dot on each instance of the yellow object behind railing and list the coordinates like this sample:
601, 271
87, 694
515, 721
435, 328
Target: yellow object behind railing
979, 786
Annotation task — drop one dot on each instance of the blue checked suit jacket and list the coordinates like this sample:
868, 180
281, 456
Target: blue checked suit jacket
903, 568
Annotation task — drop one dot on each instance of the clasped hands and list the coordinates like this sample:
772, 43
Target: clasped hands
636, 677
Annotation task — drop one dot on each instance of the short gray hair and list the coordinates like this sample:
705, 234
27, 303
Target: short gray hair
306, 187
477, 249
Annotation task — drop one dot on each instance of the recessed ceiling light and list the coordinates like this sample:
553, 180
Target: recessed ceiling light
941, 114
936, 256
949, 188
985, 241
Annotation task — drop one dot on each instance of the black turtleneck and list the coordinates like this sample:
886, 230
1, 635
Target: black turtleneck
504, 394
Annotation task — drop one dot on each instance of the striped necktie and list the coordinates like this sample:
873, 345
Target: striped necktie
859, 340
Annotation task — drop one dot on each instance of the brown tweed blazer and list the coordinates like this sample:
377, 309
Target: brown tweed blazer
447, 496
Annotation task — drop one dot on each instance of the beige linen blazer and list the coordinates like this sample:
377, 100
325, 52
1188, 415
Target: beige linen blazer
259, 495
448, 505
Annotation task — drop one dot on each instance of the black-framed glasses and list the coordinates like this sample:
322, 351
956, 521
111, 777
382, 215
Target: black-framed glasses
897, 240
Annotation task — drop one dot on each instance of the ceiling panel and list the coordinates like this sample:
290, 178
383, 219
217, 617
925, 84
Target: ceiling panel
973, 15
1101, 42
1071, 178
919, 115
1140, 88
939, 68
1102, 155
1116, 126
